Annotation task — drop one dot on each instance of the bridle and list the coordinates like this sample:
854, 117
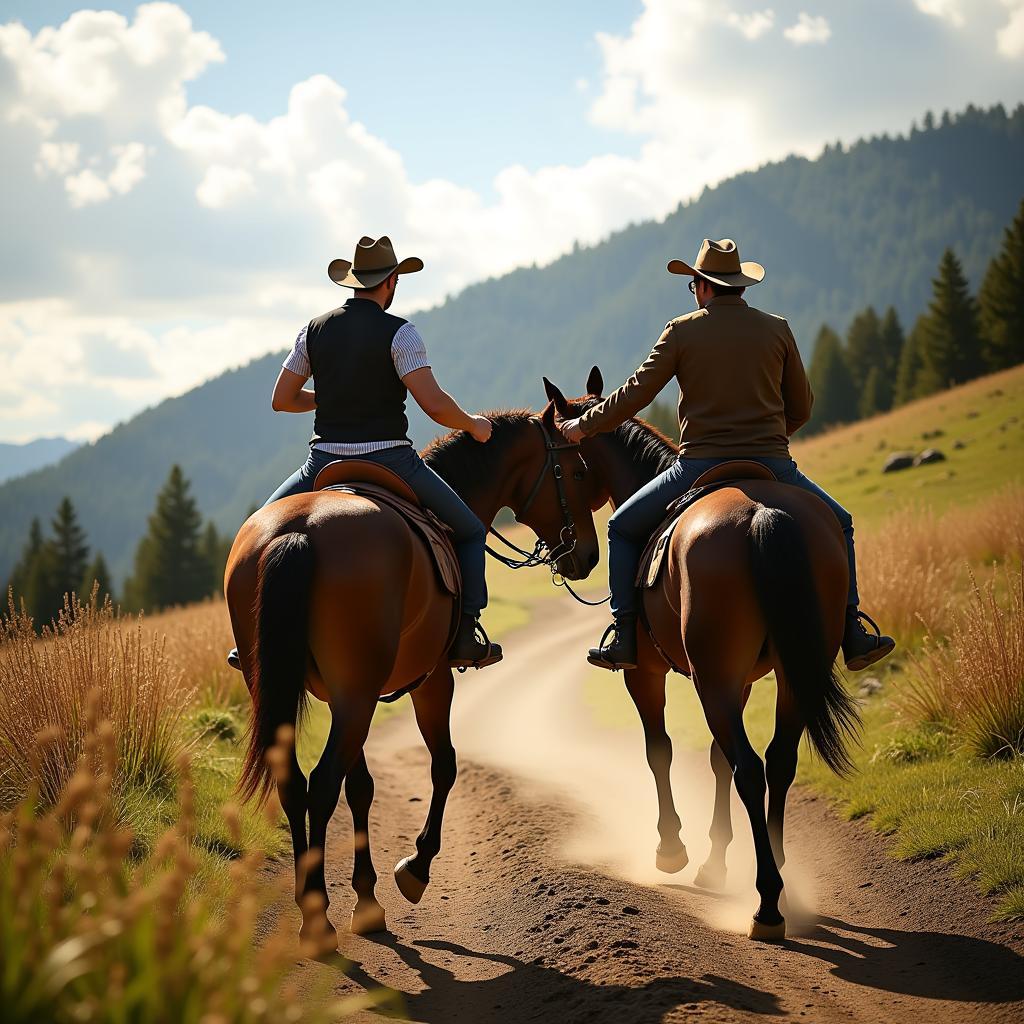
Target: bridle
541, 554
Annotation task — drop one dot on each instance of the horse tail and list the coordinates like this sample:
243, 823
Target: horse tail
282, 624
789, 602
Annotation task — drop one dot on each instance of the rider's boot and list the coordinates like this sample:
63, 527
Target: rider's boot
620, 652
861, 648
233, 660
471, 647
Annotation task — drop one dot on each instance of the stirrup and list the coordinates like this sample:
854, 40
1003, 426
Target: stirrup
492, 657
598, 656
858, 614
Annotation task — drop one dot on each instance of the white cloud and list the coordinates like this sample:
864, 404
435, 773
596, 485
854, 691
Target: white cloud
1010, 38
808, 29
947, 10
144, 226
752, 25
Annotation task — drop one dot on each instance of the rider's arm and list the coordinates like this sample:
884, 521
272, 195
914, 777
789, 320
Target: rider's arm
796, 389
638, 392
435, 401
289, 394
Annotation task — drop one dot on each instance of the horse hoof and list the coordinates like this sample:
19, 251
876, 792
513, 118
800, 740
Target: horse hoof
710, 878
670, 863
318, 937
409, 885
368, 918
767, 932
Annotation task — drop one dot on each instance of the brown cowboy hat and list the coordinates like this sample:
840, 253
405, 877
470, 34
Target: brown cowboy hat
374, 261
719, 262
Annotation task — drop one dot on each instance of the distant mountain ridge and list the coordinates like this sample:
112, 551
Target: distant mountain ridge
19, 459
859, 225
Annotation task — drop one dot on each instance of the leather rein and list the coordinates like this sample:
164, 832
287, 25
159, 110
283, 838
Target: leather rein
541, 554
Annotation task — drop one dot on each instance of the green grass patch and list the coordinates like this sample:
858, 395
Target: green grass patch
986, 415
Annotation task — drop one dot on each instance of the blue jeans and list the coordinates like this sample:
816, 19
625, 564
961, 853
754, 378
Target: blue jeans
470, 534
633, 522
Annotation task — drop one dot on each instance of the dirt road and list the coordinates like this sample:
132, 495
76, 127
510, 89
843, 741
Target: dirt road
545, 905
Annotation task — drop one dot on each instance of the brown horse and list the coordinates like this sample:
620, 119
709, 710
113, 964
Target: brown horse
333, 594
755, 580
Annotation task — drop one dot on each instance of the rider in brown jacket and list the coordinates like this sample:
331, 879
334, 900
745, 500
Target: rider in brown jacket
742, 393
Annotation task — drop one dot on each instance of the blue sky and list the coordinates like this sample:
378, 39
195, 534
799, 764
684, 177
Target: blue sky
462, 84
177, 175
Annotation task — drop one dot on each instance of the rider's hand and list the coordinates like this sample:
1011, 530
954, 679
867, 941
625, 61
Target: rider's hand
571, 431
480, 428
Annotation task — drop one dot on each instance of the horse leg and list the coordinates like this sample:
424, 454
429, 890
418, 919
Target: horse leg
351, 714
291, 791
368, 915
432, 703
780, 762
723, 708
647, 688
712, 872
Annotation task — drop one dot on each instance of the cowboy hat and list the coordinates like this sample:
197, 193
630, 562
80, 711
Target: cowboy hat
374, 261
719, 263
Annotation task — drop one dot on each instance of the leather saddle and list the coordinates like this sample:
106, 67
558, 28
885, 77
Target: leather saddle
381, 485
710, 480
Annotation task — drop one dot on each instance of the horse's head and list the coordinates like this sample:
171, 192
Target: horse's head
555, 496
622, 461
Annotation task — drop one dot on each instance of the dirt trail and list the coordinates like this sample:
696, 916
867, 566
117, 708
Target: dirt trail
545, 905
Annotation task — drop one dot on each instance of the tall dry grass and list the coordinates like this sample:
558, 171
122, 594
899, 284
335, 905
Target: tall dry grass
972, 684
46, 681
914, 566
82, 938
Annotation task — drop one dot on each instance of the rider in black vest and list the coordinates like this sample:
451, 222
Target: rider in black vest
364, 362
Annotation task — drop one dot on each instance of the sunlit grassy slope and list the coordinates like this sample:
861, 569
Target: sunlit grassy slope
987, 415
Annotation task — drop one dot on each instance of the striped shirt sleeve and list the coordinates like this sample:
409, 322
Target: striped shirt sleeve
298, 359
408, 351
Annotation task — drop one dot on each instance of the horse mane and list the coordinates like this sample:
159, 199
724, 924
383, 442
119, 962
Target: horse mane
464, 463
644, 443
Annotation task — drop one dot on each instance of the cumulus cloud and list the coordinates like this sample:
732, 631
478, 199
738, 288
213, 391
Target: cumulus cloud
808, 29
152, 242
947, 10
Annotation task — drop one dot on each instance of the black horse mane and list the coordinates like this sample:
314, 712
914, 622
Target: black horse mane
644, 443
462, 462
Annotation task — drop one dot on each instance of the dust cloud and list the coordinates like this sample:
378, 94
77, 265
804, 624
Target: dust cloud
528, 716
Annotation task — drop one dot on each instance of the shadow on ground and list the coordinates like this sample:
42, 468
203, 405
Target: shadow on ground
532, 991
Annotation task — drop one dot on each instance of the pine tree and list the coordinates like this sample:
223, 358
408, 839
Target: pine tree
835, 400
909, 369
170, 566
215, 550
950, 346
892, 340
871, 396
863, 348
98, 575
1002, 300
22, 572
67, 554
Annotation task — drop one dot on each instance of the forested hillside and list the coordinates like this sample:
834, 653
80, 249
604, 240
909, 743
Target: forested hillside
864, 225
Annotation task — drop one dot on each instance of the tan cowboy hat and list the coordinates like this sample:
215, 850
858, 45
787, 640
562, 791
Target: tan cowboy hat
374, 261
719, 263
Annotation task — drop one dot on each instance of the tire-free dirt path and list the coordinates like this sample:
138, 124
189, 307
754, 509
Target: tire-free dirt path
544, 904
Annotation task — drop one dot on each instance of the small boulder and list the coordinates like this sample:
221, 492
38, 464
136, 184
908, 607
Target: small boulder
898, 461
958, 444
870, 686
929, 455
927, 435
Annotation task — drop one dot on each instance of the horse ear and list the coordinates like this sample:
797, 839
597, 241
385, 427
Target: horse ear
595, 382
556, 396
547, 417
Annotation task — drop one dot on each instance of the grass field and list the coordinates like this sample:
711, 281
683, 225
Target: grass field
922, 533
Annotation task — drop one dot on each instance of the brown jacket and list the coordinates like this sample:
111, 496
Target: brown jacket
742, 386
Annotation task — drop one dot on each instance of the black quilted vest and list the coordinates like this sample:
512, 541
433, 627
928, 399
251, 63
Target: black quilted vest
359, 395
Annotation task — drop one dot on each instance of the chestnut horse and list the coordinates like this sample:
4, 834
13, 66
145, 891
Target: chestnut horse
333, 594
755, 580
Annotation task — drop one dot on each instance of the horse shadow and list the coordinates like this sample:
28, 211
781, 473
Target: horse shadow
530, 991
936, 965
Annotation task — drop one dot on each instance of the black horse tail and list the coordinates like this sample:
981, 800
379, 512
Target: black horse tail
789, 602
282, 625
